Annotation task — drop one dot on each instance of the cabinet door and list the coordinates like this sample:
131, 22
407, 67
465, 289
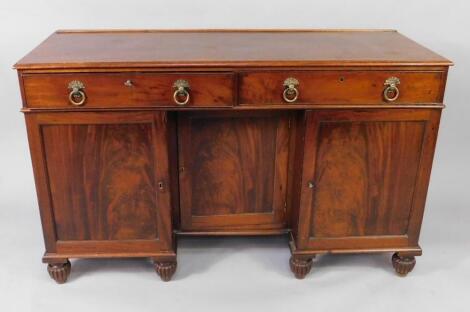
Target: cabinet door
233, 170
102, 181
365, 177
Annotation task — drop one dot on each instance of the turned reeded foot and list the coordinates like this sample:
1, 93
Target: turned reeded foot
300, 266
403, 264
59, 271
165, 269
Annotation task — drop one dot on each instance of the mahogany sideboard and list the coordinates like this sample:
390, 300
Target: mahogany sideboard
139, 136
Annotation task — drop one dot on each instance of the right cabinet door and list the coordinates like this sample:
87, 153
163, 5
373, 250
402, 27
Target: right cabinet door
365, 177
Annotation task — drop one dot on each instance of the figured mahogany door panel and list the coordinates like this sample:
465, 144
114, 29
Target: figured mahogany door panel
233, 169
362, 171
365, 174
108, 176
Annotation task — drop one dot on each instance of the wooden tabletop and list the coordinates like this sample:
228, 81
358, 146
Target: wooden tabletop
227, 48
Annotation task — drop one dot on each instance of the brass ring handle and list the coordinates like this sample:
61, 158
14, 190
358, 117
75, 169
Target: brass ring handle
77, 92
290, 93
178, 94
182, 90
391, 88
73, 94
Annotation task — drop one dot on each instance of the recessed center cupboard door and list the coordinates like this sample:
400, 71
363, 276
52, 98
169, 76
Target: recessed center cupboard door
365, 176
233, 170
102, 181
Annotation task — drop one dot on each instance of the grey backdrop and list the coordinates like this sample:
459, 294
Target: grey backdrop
236, 274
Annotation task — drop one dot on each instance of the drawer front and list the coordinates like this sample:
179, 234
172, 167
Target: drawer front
341, 87
102, 90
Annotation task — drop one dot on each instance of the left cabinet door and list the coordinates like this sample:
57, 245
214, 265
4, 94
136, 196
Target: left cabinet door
102, 181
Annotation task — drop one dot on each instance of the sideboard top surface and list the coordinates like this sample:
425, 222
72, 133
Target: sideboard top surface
227, 48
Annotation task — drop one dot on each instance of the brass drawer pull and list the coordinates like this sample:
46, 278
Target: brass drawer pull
291, 93
181, 95
77, 96
391, 92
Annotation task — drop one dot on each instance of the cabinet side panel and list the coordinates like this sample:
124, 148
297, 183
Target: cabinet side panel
41, 181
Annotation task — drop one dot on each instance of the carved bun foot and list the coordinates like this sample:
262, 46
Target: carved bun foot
59, 271
165, 269
300, 267
403, 264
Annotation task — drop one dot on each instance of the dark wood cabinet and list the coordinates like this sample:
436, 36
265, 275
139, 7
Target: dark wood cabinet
231, 133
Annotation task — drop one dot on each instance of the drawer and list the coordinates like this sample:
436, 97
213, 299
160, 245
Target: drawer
109, 90
341, 87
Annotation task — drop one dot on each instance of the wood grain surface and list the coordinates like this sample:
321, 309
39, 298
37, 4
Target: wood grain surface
147, 48
341, 87
368, 170
108, 90
233, 168
106, 187
377, 164
102, 181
